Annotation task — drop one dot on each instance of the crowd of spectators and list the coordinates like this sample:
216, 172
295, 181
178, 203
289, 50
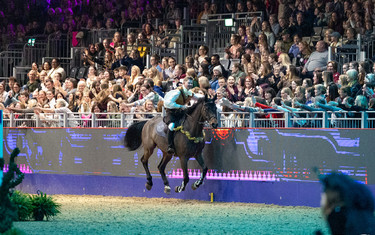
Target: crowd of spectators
276, 69
21, 19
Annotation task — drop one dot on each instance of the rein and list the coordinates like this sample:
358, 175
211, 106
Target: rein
195, 139
187, 133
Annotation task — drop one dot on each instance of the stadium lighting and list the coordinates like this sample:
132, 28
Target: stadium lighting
31, 42
229, 22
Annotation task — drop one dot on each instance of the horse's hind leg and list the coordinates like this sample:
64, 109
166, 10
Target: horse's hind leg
199, 182
183, 161
144, 161
163, 163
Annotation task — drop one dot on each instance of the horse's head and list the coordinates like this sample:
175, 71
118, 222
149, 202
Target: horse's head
209, 113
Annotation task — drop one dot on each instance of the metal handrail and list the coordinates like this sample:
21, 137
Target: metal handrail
242, 15
85, 120
303, 119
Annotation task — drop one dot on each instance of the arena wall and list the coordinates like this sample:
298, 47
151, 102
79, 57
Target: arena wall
246, 165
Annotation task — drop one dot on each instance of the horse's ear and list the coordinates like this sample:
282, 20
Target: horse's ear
206, 98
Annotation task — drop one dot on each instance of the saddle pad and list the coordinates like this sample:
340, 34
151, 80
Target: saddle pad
161, 129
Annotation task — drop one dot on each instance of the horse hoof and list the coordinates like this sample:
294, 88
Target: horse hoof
196, 185
148, 186
167, 190
179, 189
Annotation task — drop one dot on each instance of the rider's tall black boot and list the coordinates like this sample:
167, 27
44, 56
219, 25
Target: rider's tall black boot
170, 142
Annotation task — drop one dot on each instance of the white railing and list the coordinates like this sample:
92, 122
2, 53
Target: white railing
84, 120
226, 119
303, 119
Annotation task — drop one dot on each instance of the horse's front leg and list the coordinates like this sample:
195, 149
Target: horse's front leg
183, 161
163, 163
199, 182
144, 161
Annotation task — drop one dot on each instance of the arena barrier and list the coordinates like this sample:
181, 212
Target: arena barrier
8, 60
302, 119
272, 166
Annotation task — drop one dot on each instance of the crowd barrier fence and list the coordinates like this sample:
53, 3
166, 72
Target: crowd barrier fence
98, 35
17, 46
34, 53
20, 73
219, 32
59, 45
369, 46
361, 49
303, 119
9, 60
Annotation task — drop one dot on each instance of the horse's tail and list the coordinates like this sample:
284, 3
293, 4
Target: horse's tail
133, 137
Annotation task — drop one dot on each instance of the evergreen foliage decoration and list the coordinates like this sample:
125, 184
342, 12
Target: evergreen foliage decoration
8, 211
24, 205
14, 231
43, 206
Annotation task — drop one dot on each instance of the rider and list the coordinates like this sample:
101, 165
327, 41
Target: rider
175, 101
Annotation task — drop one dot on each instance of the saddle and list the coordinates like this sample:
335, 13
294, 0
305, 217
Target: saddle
162, 127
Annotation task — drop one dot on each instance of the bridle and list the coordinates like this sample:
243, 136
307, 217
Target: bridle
204, 108
212, 117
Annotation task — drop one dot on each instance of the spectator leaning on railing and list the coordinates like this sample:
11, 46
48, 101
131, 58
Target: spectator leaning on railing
61, 107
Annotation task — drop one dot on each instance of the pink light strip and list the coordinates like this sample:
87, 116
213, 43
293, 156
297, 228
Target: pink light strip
23, 167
